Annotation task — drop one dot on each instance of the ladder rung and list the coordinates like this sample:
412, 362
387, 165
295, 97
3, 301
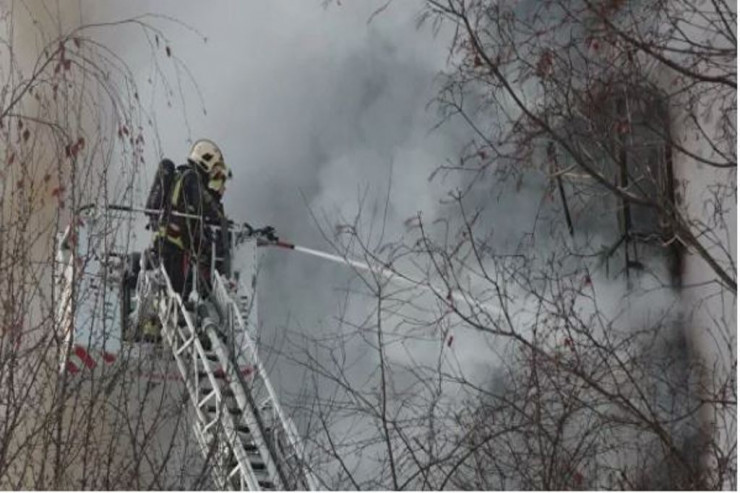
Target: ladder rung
232, 410
234, 469
218, 374
257, 467
211, 356
227, 392
185, 345
210, 395
210, 424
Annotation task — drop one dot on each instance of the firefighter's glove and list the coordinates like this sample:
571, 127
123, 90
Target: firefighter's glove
268, 233
247, 231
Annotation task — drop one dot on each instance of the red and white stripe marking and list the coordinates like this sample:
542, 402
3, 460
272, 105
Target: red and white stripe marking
81, 359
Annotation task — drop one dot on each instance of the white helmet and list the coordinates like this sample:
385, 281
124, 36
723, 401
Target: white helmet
207, 155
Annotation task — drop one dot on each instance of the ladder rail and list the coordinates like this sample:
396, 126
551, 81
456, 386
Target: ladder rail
232, 312
191, 388
245, 402
173, 307
200, 432
258, 460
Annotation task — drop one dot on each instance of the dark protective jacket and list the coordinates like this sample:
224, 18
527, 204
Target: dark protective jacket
190, 195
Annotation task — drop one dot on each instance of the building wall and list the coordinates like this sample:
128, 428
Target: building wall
709, 307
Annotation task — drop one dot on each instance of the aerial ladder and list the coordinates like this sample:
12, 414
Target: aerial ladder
238, 423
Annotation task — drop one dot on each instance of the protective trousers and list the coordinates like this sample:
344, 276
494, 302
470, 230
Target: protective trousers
175, 263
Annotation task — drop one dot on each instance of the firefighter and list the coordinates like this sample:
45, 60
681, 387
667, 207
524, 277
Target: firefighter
184, 243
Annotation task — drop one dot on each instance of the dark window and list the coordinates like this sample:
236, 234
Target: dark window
628, 142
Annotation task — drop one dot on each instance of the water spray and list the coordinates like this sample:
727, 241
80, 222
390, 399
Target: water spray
441, 292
